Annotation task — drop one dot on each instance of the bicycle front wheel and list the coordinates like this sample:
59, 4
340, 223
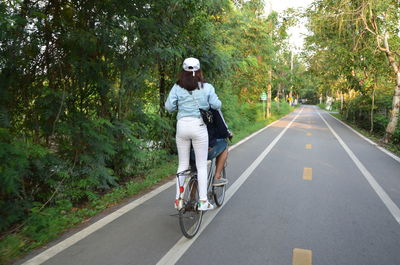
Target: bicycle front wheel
189, 216
219, 191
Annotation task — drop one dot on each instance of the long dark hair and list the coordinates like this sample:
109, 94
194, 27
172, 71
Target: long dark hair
190, 82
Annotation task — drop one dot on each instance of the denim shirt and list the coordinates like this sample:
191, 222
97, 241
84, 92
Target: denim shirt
181, 100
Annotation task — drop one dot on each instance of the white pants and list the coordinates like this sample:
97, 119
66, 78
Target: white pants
193, 130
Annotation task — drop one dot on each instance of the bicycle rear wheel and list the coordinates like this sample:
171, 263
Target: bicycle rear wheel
189, 217
219, 191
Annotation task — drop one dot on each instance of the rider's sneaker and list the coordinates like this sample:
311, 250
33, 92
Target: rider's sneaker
205, 206
220, 182
177, 205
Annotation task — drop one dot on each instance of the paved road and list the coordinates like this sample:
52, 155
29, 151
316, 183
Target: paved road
306, 190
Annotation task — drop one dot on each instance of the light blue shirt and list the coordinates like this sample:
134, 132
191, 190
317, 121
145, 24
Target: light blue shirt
181, 100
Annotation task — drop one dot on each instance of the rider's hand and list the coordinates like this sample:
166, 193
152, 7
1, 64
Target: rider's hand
230, 136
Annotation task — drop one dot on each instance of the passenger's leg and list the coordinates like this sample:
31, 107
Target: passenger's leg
221, 159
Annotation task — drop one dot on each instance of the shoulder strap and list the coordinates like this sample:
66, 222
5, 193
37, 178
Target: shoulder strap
194, 99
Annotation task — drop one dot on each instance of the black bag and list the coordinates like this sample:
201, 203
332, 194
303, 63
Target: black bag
207, 116
218, 128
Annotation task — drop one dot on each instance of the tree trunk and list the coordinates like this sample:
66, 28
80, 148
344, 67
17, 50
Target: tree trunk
278, 107
279, 91
162, 89
341, 102
372, 109
269, 95
394, 114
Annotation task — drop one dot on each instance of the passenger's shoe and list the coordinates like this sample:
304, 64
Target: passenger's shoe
220, 182
205, 206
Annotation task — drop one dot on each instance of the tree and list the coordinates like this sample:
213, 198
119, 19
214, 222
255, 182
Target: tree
343, 49
381, 19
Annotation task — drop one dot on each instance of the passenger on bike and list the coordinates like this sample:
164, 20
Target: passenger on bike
189, 94
220, 151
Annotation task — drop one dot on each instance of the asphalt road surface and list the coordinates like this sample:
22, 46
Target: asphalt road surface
305, 190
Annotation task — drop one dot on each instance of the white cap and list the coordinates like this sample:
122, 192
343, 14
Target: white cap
191, 65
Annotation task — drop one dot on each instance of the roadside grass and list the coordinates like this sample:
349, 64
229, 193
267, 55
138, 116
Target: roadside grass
322, 106
49, 223
277, 112
377, 139
251, 128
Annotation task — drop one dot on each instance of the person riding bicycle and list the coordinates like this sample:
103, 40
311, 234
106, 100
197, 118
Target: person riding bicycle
187, 96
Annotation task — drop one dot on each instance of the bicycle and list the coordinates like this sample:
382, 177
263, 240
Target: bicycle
189, 216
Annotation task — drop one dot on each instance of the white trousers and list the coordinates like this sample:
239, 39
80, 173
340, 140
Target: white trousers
191, 130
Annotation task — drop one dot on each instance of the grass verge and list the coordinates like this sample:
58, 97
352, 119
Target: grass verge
49, 223
251, 128
377, 139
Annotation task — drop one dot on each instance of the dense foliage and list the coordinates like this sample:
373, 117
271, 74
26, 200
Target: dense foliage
352, 54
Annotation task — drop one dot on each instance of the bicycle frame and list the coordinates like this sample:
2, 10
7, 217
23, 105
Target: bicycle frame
189, 174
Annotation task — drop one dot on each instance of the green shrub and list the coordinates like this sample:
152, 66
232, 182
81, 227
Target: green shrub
10, 246
380, 122
28, 173
88, 147
14, 163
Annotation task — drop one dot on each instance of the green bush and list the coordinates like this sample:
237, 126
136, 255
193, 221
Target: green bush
14, 163
380, 122
88, 146
92, 156
28, 173
279, 108
322, 106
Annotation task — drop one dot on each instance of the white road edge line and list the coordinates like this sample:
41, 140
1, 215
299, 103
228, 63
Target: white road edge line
369, 140
392, 207
183, 244
54, 250
51, 252
252, 135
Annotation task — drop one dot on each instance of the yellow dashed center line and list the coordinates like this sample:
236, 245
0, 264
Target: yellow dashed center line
302, 256
308, 146
307, 173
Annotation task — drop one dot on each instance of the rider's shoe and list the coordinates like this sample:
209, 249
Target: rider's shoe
220, 182
205, 206
177, 204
